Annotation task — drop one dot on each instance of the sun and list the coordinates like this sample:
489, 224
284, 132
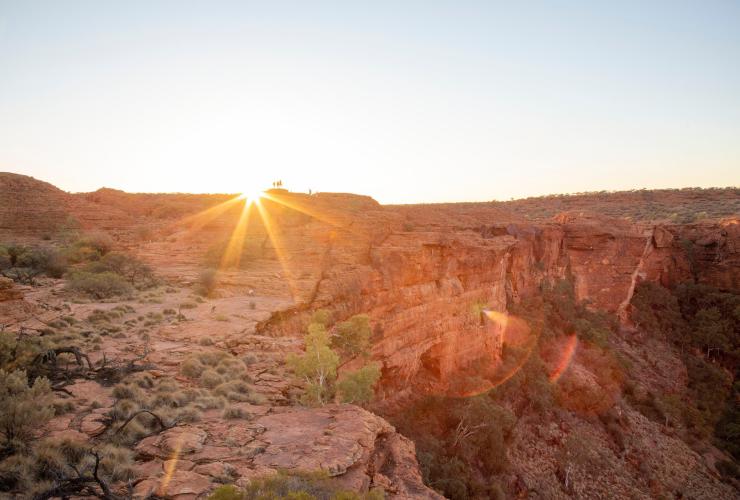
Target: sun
251, 196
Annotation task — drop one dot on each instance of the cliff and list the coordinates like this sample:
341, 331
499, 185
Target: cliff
436, 280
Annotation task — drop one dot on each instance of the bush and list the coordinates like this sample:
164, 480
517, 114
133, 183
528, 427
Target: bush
99, 285
321, 317
353, 336
317, 366
5, 261
99, 242
65, 468
133, 270
233, 412
207, 281
23, 263
23, 409
357, 386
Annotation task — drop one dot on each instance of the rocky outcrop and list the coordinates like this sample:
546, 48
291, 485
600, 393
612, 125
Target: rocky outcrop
359, 449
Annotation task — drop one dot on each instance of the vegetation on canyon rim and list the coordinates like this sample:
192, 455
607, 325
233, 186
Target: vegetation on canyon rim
87, 263
317, 367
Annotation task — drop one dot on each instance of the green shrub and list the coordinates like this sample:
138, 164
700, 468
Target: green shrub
23, 408
322, 317
317, 366
23, 263
99, 285
353, 336
132, 269
357, 386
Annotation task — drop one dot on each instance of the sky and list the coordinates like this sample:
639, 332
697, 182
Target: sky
405, 101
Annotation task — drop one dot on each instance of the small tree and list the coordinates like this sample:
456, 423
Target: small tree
357, 386
131, 268
322, 317
317, 366
352, 337
23, 409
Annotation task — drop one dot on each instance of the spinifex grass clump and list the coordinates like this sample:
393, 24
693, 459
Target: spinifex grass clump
144, 406
223, 374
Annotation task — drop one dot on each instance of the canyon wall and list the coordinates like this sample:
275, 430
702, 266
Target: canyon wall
423, 283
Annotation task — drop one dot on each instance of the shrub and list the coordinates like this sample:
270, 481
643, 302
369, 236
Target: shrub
357, 386
321, 317
207, 282
353, 336
133, 270
100, 242
5, 260
23, 263
317, 366
233, 412
23, 408
99, 285
64, 468
210, 379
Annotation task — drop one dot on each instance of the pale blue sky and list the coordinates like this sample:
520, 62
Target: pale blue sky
404, 101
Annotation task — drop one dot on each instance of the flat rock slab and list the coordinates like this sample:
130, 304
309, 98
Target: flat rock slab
331, 439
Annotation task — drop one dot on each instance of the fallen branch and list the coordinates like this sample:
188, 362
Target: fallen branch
139, 412
51, 356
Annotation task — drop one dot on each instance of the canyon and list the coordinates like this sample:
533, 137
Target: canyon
435, 281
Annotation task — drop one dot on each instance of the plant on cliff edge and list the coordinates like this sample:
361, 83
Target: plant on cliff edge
352, 337
317, 366
357, 386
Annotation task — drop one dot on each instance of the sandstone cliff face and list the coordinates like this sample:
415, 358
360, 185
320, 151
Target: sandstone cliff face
421, 287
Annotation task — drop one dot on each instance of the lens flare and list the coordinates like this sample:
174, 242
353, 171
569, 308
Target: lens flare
565, 359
